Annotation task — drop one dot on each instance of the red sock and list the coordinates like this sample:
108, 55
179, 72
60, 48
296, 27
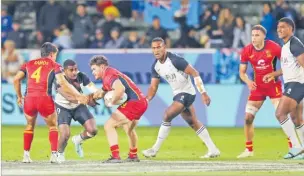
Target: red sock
249, 146
115, 151
133, 153
53, 138
27, 139
289, 143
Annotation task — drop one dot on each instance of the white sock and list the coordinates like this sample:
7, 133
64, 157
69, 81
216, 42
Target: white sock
289, 129
300, 132
26, 152
205, 137
78, 139
163, 133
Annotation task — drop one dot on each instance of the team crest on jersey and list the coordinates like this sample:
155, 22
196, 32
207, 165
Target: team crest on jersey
251, 56
268, 53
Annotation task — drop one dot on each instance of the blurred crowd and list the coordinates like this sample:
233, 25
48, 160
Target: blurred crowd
112, 24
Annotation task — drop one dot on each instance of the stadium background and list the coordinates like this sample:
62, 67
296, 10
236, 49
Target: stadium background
122, 31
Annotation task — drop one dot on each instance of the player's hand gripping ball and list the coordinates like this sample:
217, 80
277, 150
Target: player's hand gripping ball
108, 98
91, 101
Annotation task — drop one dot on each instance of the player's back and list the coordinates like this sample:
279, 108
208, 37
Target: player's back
40, 76
131, 89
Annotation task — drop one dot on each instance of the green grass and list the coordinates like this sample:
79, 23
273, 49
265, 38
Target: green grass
182, 144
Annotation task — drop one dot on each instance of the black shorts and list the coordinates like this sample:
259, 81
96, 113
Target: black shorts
81, 114
185, 99
294, 90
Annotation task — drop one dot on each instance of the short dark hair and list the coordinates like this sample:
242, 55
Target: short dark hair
260, 28
47, 48
99, 60
158, 39
288, 21
68, 62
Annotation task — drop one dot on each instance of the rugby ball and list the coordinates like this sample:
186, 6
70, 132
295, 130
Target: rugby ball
108, 97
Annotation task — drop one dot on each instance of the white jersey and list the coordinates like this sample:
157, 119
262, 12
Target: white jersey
172, 70
81, 81
292, 70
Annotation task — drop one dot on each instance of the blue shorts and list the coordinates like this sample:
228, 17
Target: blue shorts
185, 99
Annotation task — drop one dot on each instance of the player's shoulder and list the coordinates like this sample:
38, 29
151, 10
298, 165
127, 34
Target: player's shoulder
110, 71
248, 49
295, 41
174, 56
270, 44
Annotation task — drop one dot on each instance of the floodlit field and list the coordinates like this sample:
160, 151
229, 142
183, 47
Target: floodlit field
178, 156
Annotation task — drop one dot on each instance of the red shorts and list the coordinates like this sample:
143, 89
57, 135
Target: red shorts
134, 109
260, 94
44, 105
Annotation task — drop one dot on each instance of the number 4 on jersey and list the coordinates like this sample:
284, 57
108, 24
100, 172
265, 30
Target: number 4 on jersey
36, 74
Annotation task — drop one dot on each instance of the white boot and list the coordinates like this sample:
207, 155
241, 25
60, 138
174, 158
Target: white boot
26, 157
53, 158
245, 154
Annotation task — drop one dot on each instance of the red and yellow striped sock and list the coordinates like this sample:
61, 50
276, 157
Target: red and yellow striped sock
133, 153
28, 136
249, 146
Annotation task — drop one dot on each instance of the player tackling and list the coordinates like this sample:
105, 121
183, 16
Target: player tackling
40, 74
177, 72
68, 108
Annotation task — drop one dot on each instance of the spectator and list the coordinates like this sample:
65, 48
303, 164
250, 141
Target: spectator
25, 13
11, 61
268, 21
290, 12
241, 33
137, 9
17, 36
110, 13
52, 16
187, 38
156, 31
300, 31
99, 41
6, 23
209, 25
279, 12
132, 42
226, 26
82, 27
116, 41
62, 38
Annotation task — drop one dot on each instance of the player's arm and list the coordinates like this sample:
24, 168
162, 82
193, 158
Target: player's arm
297, 49
154, 83
88, 84
198, 83
67, 96
119, 90
17, 85
243, 75
69, 89
152, 88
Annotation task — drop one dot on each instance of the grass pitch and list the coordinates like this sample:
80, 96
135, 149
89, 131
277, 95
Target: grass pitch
178, 156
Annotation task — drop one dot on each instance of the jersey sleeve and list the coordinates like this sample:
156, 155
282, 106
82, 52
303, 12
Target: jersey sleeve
277, 50
85, 79
109, 80
23, 68
244, 57
153, 71
57, 68
296, 47
178, 62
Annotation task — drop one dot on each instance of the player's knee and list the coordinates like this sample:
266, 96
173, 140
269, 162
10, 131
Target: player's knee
167, 117
249, 119
92, 132
279, 114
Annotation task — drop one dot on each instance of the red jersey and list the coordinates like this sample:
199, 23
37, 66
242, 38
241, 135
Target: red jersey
263, 61
40, 76
131, 89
